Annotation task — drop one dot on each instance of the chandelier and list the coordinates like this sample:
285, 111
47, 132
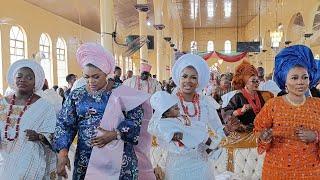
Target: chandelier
276, 37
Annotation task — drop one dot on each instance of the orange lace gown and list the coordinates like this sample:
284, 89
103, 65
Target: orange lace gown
286, 156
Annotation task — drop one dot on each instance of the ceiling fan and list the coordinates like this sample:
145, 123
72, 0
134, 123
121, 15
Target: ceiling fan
131, 47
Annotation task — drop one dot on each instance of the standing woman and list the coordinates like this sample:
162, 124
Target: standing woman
288, 127
191, 74
239, 116
27, 123
83, 113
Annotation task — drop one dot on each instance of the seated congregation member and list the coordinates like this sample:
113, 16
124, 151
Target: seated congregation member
224, 86
27, 123
239, 116
288, 127
176, 134
106, 135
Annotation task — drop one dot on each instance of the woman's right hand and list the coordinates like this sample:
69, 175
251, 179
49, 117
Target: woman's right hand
233, 124
63, 161
177, 136
266, 135
245, 108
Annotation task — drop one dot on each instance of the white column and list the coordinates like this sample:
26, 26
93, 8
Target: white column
106, 23
143, 30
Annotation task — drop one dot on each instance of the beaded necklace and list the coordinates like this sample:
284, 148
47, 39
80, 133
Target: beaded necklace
12, 103
256, 104
295, 104
195, 102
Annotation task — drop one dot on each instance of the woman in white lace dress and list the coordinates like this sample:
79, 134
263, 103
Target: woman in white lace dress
191, 74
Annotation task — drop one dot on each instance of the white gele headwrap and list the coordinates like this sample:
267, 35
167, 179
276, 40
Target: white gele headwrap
161, 101
196, 62
29, 63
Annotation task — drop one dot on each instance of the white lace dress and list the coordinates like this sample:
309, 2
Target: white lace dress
194, 164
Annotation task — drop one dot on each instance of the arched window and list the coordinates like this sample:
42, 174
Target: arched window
17, 44
316, 20
227, 46
210, 46
134, 68
130, 64
1, 68
62, 64
193, 46
116, 60
120, 62
45, 56
126, 64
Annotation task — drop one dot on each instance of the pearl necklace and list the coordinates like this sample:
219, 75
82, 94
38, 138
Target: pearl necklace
295, 104
12, 103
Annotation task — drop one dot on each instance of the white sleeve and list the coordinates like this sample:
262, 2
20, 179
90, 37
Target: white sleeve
128, 82
163, 129
214, 122
158, 86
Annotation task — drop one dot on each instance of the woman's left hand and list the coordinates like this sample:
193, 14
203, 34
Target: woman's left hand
105, 138
305, 135
32, 135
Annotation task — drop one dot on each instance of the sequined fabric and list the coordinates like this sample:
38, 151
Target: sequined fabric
286, 156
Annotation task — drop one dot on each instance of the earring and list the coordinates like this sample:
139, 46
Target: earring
286, 88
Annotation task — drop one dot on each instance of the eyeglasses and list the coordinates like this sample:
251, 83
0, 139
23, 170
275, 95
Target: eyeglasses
255, 81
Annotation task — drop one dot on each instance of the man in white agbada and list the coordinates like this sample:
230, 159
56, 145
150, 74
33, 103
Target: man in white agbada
144, 82
27, 122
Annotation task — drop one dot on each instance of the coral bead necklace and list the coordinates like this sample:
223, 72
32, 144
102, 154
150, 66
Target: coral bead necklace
196, 105
8, 122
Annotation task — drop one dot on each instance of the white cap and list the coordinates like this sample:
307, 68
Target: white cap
161, 101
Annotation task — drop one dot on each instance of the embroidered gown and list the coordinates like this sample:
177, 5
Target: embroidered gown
287, 157
82, 113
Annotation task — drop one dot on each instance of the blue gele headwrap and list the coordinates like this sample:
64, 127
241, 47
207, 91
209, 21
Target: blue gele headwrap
318, 65
290, 57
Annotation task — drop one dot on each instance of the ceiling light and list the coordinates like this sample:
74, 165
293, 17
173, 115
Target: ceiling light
148, 23
227, 8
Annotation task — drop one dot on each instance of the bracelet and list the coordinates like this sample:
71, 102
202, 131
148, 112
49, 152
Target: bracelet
118, 134
264, 142
317, 136
239, 112
41, 137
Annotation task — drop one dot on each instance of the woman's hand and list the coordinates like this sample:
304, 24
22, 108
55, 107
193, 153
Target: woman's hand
177, 136
245, 108
158, 172
32, 135
306, 135
233, 124
105, 138
63, 161
266, 135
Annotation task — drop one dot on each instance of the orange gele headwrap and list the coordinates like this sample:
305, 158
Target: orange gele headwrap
243, 72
